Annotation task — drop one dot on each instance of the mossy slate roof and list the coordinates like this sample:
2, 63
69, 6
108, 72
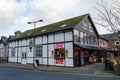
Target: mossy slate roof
67, 24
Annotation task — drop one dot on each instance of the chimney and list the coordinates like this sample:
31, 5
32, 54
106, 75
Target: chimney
17, 33
4, 40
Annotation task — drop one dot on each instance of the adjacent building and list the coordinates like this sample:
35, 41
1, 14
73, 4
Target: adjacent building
65, 43
3, 49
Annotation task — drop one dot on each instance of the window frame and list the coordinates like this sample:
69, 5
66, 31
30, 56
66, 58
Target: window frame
38, 50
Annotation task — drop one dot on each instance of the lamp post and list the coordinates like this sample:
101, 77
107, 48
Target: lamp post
34, 37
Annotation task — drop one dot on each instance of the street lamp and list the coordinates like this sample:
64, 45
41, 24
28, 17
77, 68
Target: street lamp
34, 36
35, 22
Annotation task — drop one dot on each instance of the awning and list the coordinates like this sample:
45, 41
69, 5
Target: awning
94, 47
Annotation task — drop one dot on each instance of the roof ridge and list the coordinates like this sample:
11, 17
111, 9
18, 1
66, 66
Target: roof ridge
71, 22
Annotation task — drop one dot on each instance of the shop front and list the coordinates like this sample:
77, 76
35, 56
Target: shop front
87, 55
93, 54
59, 53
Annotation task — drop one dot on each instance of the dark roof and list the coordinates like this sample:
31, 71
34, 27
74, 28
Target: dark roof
106, 36
65, 24
4, 40
11, 36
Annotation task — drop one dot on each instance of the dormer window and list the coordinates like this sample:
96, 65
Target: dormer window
63, 25
44, 30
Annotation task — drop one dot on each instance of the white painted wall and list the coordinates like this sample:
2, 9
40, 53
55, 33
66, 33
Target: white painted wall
59, 37
44, 61
50, 38
19, 60
44, 38
50, 49
19, 52
13, 44
44, 50
24, 61
68, 36
51, 61
29, 56
69, 47
47, 58
24, 42
69, 62
38, 40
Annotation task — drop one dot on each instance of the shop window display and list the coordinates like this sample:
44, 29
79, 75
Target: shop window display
59, 53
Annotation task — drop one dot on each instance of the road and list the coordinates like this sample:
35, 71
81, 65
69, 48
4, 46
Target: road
19, 74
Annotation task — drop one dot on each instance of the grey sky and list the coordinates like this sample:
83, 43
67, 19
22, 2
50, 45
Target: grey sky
14, 14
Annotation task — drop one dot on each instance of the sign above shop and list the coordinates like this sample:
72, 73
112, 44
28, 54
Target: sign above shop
77, 48
59, 45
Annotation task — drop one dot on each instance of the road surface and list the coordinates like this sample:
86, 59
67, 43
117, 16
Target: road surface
19, 74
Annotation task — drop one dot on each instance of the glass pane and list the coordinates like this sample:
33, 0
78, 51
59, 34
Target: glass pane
81, 37
76, 36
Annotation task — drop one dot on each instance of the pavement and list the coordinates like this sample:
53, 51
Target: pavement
96, 69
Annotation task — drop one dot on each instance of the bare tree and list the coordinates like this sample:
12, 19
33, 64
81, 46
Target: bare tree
109, 16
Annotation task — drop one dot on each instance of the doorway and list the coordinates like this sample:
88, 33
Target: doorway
24, 61
77, 60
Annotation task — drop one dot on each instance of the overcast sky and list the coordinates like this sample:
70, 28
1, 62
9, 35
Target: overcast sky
14, 14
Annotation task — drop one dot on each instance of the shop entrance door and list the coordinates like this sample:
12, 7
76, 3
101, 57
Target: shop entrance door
24, 61
77, 60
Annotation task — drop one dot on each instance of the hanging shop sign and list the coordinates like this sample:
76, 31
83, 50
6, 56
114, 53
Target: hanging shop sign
30, 45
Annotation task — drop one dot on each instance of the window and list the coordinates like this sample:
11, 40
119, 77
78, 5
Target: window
76, 36
13, 52
88, 39
38, 50
59, 50
81, 37
60, 53
24, 55
68, 36
85, 38
93, 41
59, 37
45, 39
50, 38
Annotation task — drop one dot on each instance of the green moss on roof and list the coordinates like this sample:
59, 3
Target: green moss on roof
70, 23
